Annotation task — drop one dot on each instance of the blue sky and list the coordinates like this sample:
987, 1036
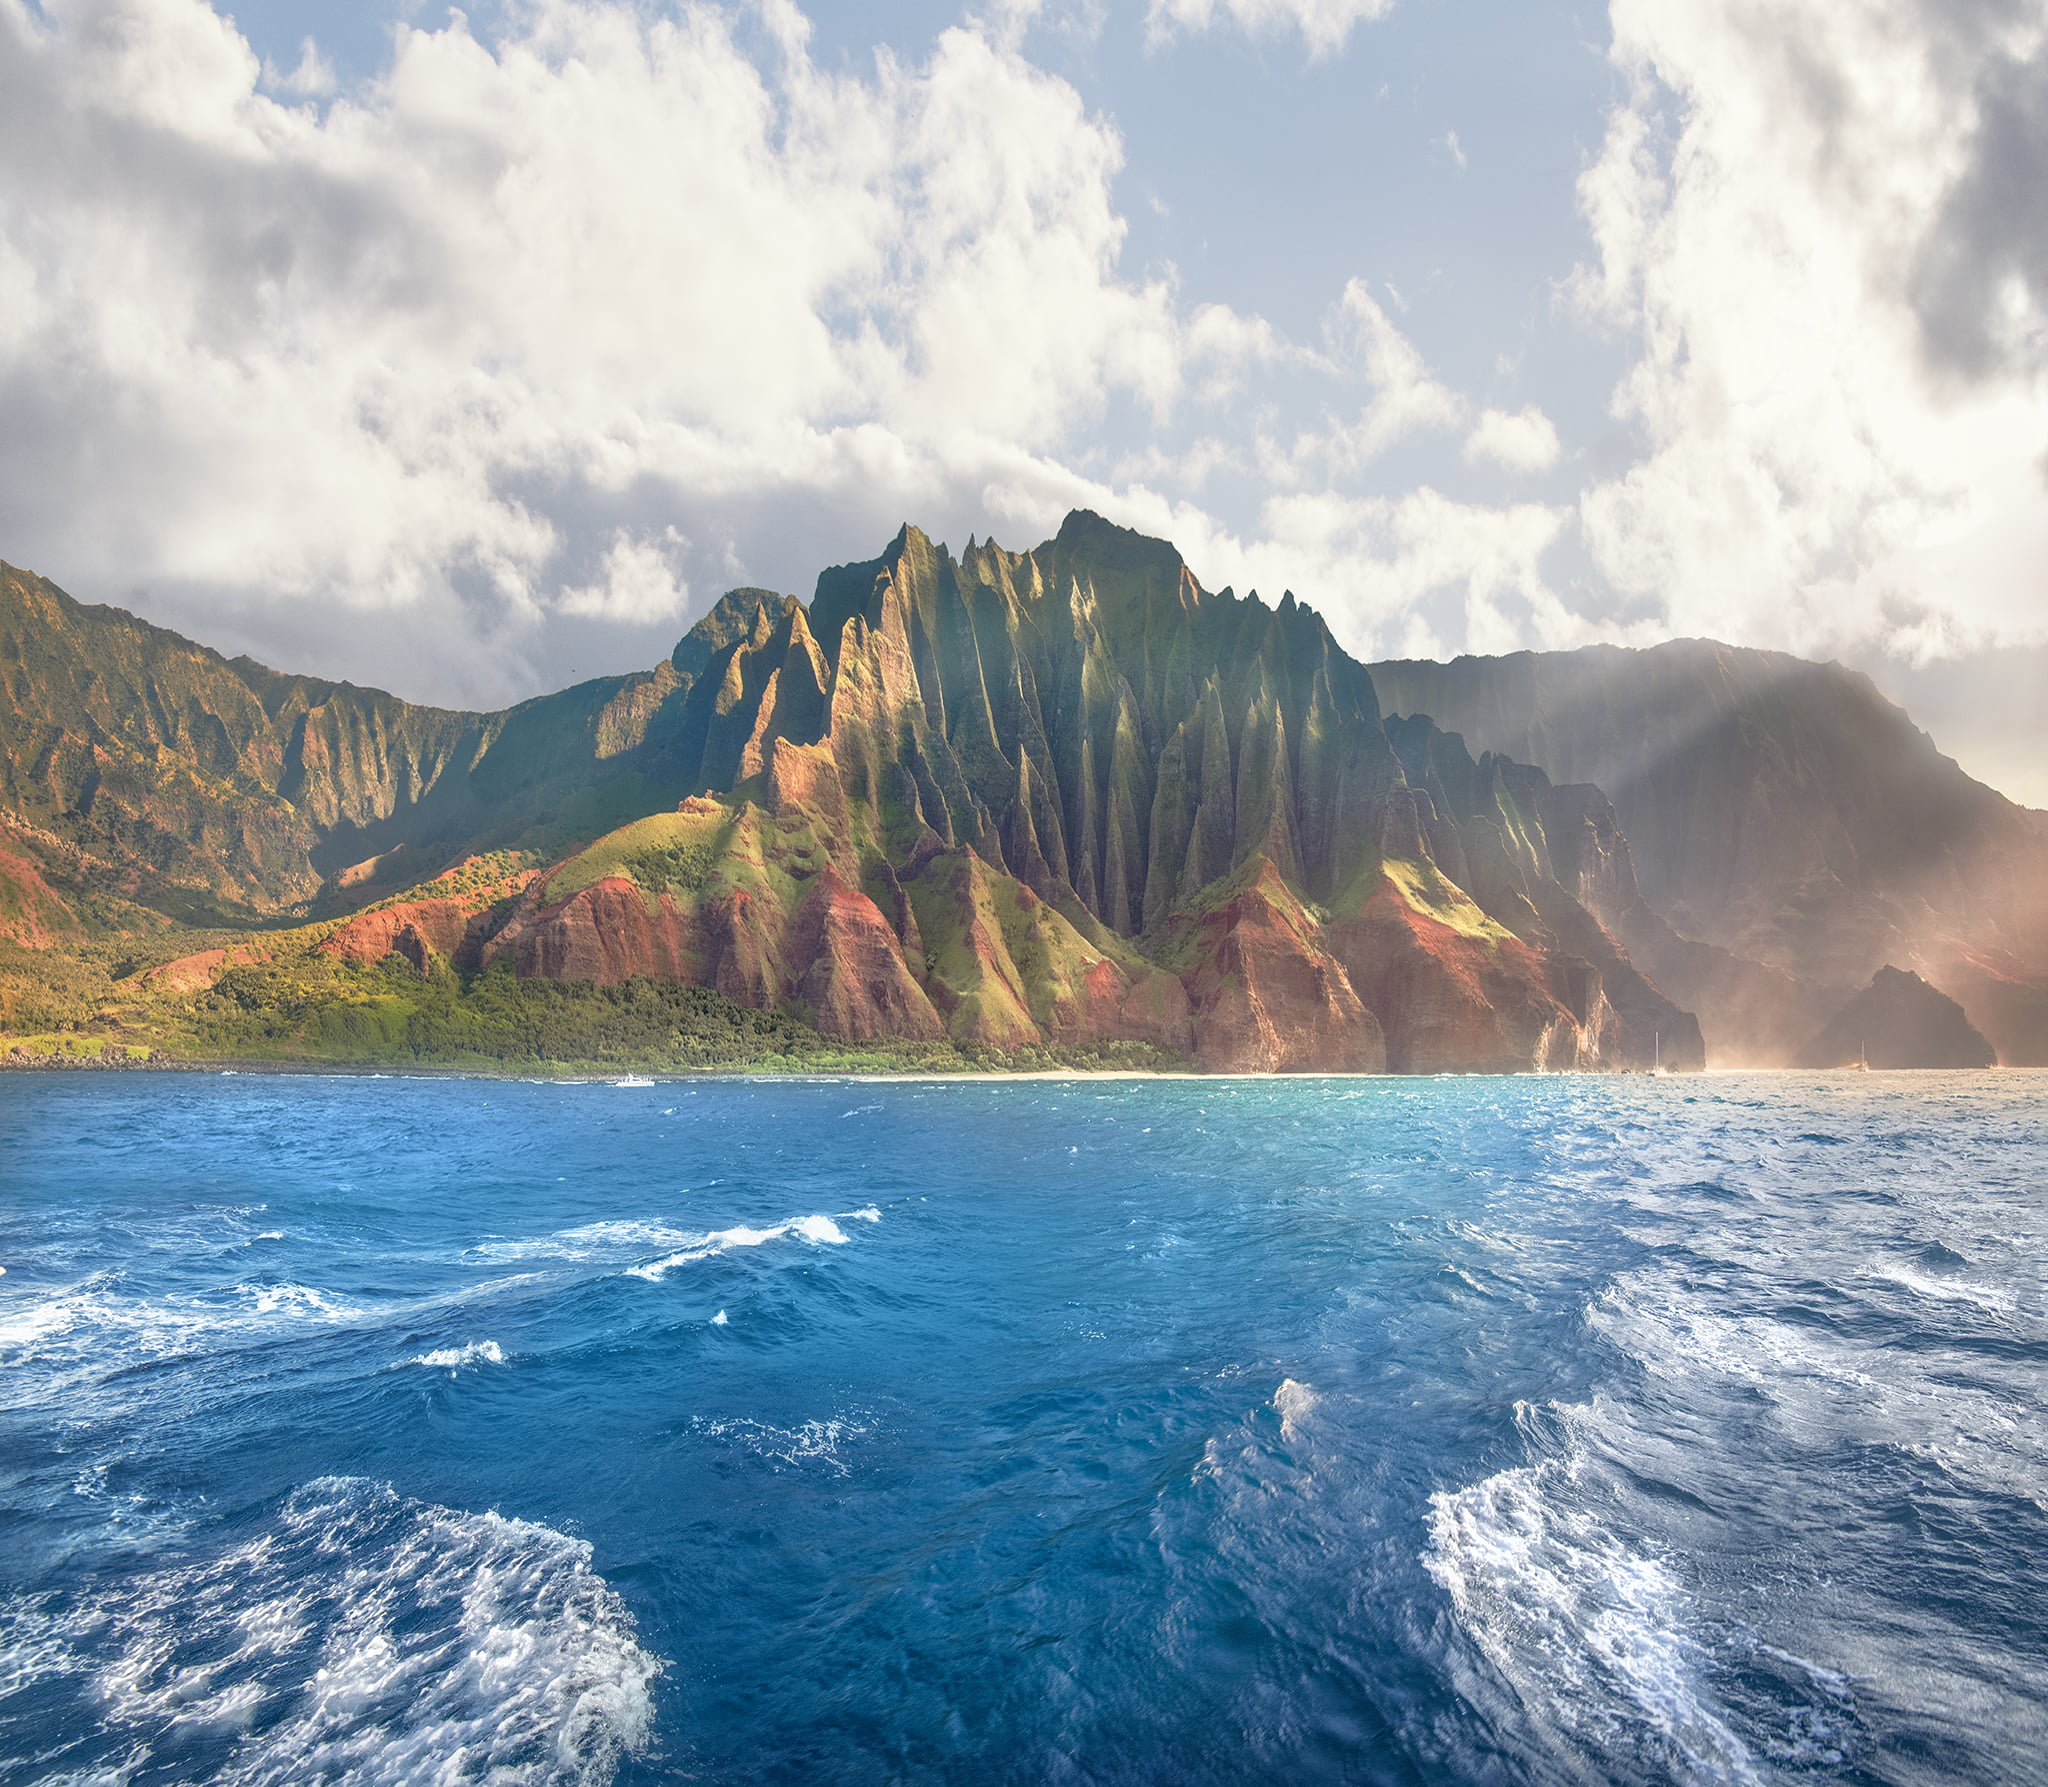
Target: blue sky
471, 353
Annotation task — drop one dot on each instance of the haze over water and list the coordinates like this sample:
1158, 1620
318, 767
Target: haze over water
1545, 1430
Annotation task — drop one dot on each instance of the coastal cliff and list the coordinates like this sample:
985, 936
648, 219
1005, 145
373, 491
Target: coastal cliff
1790, 829
1057, 800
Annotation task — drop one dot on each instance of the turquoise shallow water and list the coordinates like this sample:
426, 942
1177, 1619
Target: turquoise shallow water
1487, 1430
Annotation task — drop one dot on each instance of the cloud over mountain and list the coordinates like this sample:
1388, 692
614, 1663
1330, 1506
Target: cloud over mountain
504, 361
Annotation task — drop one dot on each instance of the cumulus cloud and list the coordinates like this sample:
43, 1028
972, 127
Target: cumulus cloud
311, 77
537, 341
454, 351
502, 364
1524, 441
1325, 25
638, 581
1826, 226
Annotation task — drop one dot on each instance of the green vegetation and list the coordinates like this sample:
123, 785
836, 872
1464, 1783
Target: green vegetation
665, 852
305, 1009
1429, 891
474, 874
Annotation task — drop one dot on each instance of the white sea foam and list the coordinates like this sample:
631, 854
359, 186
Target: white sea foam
299, 1299
1294, 1401
808, 1443
1826, 1382
587, 1241
97, 1325
452, 1358
364, 1638
1592, 1633
823, 1231
1949, 1290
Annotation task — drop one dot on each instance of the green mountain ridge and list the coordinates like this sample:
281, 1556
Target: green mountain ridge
1017, 806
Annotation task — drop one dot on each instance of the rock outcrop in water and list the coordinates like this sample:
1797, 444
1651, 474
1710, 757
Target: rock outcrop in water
1059, 797
1899, 1021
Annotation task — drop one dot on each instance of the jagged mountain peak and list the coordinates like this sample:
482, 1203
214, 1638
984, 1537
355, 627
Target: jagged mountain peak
1078, 730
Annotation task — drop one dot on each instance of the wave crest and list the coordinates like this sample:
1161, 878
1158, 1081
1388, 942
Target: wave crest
364, 1638
452, 1358
1591, 1632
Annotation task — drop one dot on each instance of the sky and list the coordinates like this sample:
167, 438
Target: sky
472, 353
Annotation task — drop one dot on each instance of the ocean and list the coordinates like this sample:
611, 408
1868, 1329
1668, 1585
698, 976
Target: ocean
1530, 1430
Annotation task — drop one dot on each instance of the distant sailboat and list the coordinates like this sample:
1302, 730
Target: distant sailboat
1862, 1062
1657, 1066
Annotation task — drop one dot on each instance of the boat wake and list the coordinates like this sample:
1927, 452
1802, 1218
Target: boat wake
363, 1638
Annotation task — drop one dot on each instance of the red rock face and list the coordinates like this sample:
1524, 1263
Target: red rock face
1267, 998
188, 974
606, 933
839, 960
856, 983
1452, 1003
31, 913
199, 972
441, 925
1114, 1007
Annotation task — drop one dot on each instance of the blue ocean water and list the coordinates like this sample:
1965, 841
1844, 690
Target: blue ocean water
1557, 1430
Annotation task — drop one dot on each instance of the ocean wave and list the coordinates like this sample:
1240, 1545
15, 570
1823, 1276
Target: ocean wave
1591, 1633
587, 1241
822, 1231
1830, 1380
364, 1638
95, 1325
1949, 1290
617, 1239
451, 1358
1294, 1401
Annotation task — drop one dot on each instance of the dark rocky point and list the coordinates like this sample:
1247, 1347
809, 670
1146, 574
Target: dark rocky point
1899, 1021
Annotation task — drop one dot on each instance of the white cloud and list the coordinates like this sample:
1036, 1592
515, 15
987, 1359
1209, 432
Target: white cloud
639, 581
1362, 343
1826, 225
1325, 25
559, 332
311, 78
1413, 575
446, 350
510, 351
1522, 441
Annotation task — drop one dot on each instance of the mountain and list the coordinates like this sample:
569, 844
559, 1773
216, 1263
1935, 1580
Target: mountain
1065, 795
1057, 798
217, 788
1062, 800
1791, 831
